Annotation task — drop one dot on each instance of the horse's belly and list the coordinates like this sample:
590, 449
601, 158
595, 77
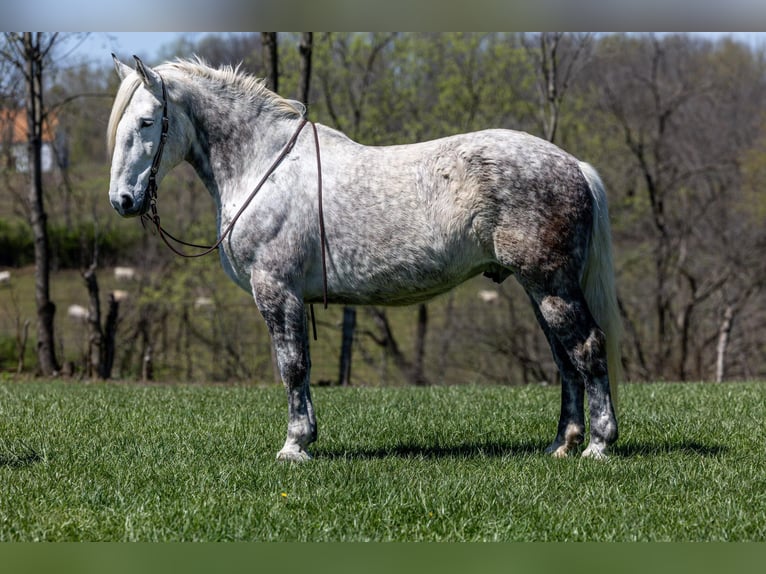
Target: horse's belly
402, 284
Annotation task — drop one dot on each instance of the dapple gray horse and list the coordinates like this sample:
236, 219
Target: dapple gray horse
397, 224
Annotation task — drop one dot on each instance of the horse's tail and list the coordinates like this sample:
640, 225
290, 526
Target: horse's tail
598, 278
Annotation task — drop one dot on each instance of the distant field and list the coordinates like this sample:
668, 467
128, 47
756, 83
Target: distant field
229, 342
119, 462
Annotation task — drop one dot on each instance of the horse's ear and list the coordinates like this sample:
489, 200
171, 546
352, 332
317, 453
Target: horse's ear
300, 106
122, 69
149, 76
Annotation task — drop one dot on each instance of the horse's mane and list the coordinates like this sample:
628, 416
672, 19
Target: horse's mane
230, 78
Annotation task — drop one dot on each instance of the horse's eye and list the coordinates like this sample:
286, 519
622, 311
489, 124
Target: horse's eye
147, 123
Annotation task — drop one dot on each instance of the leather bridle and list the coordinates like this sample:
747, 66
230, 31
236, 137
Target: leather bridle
151, 187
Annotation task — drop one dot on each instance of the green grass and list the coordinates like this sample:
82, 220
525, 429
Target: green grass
122, 462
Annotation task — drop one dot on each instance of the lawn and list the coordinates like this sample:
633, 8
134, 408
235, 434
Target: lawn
122, 462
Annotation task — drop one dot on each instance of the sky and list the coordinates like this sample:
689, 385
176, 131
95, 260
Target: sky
97, 47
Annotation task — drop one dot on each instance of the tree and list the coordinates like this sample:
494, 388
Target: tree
228, 49
29, 53
271, 59
101, 341
557, 57
674, 125
673, 100
306, 49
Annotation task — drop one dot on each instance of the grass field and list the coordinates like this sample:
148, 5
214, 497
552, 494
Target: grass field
121, 462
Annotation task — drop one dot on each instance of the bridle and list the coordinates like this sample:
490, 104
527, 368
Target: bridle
154, 218
151, 187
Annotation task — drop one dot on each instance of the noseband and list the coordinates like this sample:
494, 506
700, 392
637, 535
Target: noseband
151, 192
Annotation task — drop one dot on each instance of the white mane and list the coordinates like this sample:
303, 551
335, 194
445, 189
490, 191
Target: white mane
225, 78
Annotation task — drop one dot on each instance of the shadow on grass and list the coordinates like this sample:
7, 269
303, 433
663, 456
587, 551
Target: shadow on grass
19, 459
503, 449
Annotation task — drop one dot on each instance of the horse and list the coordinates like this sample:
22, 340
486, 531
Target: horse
388, 225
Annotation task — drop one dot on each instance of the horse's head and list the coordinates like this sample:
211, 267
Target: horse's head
134, 135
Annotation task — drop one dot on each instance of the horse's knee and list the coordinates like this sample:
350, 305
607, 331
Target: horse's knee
293, 363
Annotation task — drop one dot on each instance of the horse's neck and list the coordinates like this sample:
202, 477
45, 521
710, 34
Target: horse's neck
234, 143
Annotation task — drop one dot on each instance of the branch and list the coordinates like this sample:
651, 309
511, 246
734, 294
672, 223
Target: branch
70, 99
51, 42
14, 41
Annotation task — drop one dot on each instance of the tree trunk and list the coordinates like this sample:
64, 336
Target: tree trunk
22, 333
110, 331
101, 341
549, 43
631, 331
418, 361
723, 342
270, 59
388, 342
347, 343
559, 55
391, 347
95, 335
147, 359
445, 339
46, 309
305, 49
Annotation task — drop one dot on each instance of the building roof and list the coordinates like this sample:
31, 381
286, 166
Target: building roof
13, 127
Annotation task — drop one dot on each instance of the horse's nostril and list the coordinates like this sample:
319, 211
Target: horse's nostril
127, 202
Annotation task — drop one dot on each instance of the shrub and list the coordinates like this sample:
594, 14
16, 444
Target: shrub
16, 244
71, 246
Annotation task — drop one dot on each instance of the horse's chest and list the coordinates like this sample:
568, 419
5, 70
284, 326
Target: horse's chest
235, 271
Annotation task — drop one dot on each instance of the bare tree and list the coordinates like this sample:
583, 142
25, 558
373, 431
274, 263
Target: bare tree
558, 56
271, 59
348, 327
21, 328
29, 52
412, 370
101, 340
306, 49
226, 49
674, 109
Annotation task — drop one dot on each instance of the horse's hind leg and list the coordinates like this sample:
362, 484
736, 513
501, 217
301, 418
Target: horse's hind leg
285, 316
571, 429
582, 343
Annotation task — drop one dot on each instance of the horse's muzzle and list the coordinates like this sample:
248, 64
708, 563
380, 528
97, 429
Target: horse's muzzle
126, 205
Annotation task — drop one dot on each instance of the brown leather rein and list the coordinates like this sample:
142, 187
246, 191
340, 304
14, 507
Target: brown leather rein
154, 218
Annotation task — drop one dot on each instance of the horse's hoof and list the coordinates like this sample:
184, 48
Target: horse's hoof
293, 455
557, 450
570, 441
560, 452
595, 452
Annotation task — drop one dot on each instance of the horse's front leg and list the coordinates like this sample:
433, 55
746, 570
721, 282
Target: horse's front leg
283, 310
